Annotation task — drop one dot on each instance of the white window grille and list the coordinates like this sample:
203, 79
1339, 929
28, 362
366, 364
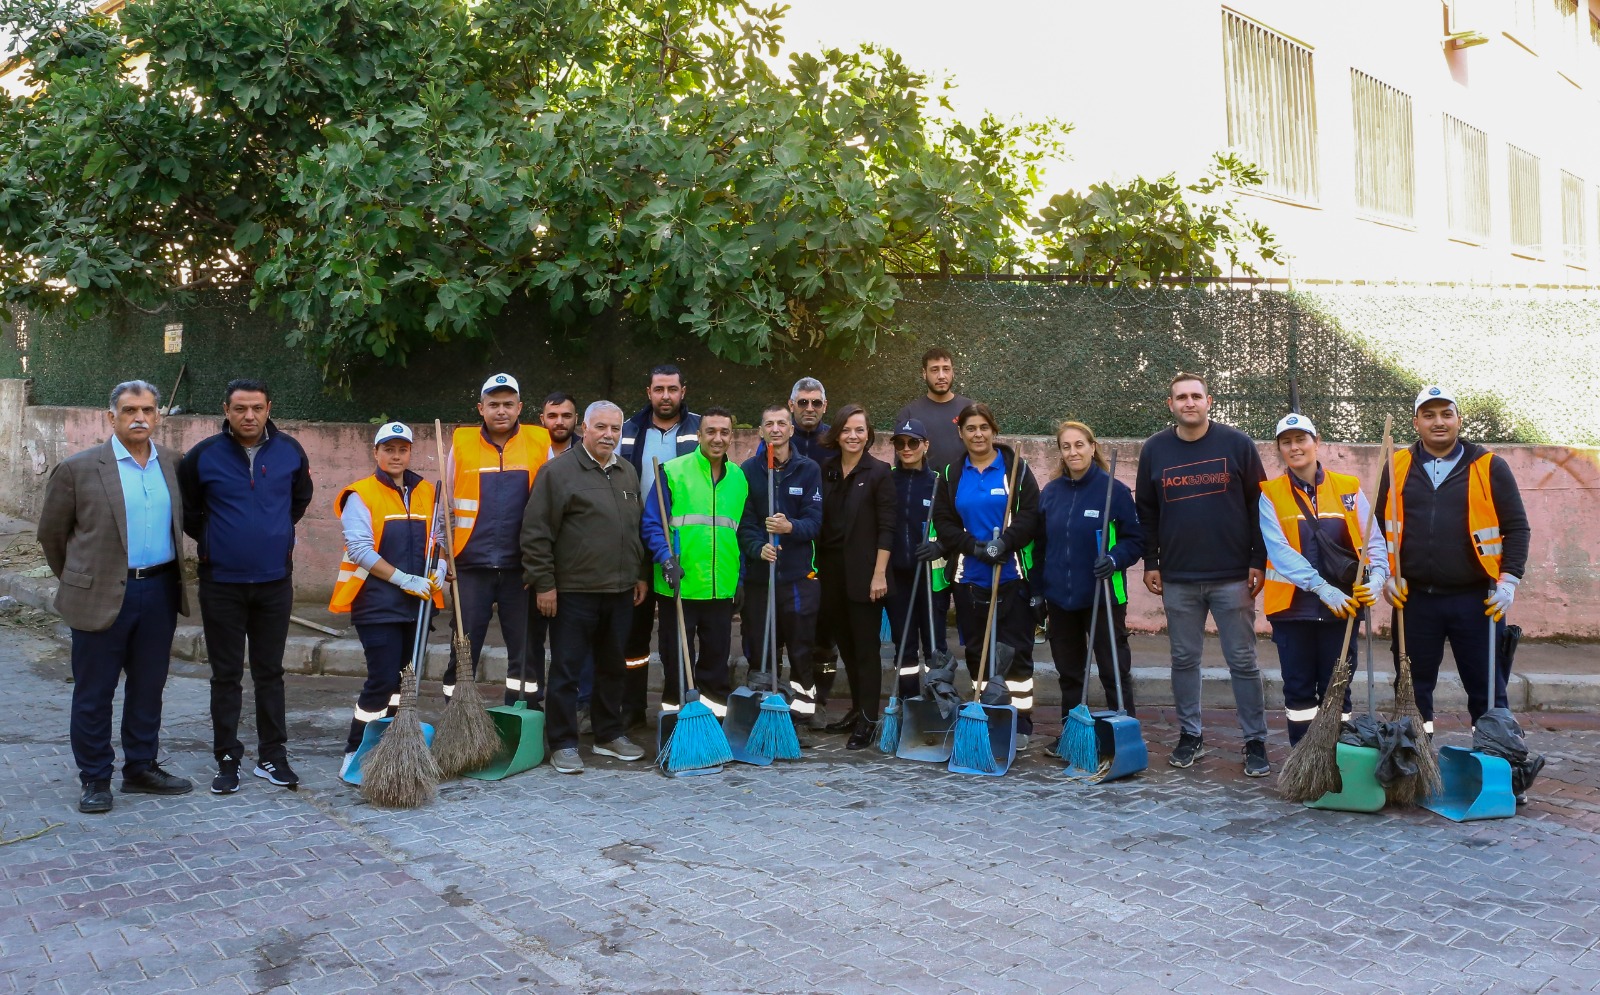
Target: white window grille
1573, 240
1466, 179
1385, 153
1527, 230
1271, 105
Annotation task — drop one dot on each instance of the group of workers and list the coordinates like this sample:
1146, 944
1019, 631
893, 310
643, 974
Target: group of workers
599, 531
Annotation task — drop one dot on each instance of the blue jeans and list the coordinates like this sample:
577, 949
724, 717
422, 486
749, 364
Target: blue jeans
139, 644
1233, 608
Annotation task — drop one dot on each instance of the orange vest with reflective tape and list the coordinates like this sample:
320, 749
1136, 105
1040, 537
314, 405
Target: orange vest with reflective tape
1336, 498
385, 504
474, 455
1483, 522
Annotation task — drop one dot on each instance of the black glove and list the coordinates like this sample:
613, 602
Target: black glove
672, 571
1104, 567
930, 551
994, 552
1041, 611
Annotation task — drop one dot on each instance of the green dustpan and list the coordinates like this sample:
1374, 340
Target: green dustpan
1360, 790
521, 731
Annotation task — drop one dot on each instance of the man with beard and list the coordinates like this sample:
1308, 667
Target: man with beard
559, 416
663, 429
808, 403
938, 410
489, 474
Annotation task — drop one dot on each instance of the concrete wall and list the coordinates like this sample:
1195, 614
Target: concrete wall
1560, 485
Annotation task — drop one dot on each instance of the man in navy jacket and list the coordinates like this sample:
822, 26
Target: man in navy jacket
244, 489
785, 539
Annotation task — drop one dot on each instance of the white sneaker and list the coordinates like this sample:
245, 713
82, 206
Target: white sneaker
567, 761
1023, 739
622, 748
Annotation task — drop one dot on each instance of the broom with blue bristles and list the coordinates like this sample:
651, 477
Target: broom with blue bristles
972, 748
697, 741
1079, 746
773, 734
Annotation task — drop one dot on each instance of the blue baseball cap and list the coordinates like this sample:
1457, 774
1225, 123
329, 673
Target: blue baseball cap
911, 428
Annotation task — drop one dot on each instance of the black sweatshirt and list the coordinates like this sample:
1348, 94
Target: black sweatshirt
1436, 554
1198, 503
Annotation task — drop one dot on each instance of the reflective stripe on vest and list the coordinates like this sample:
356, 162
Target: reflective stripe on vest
1483, 522
1331, 503
474, 455
384, 504
704, 521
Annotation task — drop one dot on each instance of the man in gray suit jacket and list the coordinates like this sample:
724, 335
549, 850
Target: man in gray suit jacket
112, 532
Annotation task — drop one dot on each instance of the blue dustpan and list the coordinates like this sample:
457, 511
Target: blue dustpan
1475, 786
369, 738
1120, 742
1002, 741
744, 708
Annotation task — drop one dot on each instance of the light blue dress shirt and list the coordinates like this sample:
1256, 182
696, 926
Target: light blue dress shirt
149, 506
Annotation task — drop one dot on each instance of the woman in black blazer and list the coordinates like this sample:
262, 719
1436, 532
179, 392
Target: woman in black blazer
858, 521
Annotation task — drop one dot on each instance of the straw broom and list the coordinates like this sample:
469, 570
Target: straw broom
400, 772
467, 739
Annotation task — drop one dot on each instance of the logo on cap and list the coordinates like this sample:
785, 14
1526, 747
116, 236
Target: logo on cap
397, 427
500, 379
1291, 420
1433, 392
906, 427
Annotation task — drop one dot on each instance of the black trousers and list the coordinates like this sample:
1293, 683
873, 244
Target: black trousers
387, 646
1014, 627
1434, 619
138, 644
926, 634
241, 618
855, 627
636, 655
1069, 645
798, 603
1308, 652
483, 589
587, 626
710, 628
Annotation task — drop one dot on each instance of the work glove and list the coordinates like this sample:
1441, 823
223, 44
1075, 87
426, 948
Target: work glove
930, 551
994, 551
1341, 604
1364, 594
440, 571
672, 572
1500, 601
1104, 567
1395, 590
417, 587
1041, 610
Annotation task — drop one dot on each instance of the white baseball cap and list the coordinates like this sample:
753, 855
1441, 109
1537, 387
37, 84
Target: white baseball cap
1296, 423
391, 430
500, 381
1431, 392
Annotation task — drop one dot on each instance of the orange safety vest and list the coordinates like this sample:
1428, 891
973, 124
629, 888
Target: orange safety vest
385, 504
474, 455
1336, 498
1483, 522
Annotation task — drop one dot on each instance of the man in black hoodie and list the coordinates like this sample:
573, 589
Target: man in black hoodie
1198, 491
1464, 550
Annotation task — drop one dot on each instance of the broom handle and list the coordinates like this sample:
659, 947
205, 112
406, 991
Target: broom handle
933, 631
449, 532
911, 610
1094, 611
990, 635
419, 641
769, 636
685, 672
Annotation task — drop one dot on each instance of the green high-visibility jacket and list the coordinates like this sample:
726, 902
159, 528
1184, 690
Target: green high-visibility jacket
703, 518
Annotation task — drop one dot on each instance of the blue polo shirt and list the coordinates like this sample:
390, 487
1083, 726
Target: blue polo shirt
149, 507
981, 502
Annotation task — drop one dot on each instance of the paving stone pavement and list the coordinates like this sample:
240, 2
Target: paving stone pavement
842, 873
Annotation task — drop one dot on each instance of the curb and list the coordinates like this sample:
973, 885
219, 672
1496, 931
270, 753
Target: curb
330, 656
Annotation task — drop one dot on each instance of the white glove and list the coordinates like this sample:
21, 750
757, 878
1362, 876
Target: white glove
1395, 590
417, 587
440, 571
1499, 602
1338, 602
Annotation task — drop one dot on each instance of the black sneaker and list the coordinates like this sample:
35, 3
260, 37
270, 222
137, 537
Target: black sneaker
1189, 749
280, 773
227, 780
96, 799
1255, 759
154, 781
